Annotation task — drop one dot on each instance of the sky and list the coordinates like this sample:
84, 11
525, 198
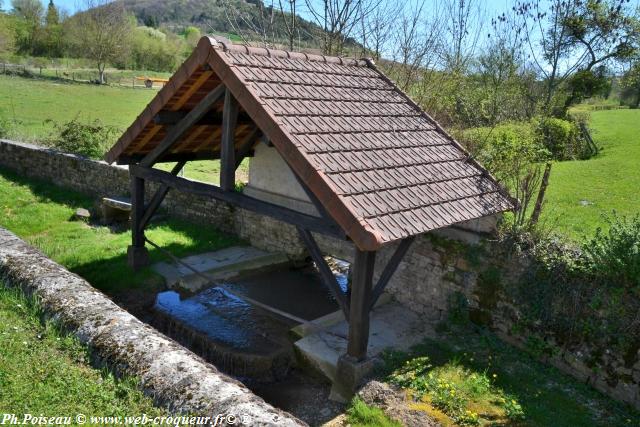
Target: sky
493, 6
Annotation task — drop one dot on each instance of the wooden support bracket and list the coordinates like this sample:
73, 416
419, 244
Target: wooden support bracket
390, 268
328, 278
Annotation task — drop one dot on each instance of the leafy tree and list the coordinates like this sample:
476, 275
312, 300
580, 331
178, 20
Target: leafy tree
30, 13
53, 36
102, 33
631, 85
586, 84
563, 37
152, 49
7, 34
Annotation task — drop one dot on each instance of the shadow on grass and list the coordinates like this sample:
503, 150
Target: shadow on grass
547, 396
99, 253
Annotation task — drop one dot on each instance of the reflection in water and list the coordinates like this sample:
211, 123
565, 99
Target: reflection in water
224, 318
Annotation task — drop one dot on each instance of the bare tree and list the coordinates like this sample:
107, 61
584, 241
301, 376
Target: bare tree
288, 12
416, 42
251, 25
101, 33
464, 21
339, 20
378, 29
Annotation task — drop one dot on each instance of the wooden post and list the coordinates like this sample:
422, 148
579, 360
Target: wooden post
137, 253
227, 148
362, 273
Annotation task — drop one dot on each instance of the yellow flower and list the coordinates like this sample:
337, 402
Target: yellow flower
495, 375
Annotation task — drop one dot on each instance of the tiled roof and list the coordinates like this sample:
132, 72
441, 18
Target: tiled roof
381, 166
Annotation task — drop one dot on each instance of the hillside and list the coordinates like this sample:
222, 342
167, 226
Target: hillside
218, 16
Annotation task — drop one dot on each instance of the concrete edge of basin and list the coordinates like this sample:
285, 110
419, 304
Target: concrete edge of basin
175, 377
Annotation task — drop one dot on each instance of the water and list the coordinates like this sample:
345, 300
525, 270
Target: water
224, 318
237, 337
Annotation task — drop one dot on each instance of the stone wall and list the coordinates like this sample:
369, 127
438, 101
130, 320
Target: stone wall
119, 340
442, 271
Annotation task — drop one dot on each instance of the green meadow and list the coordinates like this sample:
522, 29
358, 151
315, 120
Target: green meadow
582, 192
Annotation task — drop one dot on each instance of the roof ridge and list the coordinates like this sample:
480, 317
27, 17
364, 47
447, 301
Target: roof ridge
226, 45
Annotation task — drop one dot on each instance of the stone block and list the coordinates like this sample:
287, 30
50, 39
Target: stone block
137, 257
350, 376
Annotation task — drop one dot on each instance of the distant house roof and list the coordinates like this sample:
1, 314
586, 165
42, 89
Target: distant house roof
382, 168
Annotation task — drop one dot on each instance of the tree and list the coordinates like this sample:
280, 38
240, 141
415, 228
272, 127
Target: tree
7, 34
30, 12
464, 21
339, 20
102, 33
631, 85
52, 40
289, 20
566, 36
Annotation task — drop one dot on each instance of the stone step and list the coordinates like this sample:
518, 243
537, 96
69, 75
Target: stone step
219, 265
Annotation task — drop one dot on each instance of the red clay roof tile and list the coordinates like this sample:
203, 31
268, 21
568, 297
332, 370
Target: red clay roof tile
381, 166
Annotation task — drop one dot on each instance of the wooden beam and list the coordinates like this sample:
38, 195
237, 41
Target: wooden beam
137, 211
246, 145
315, 201
177, 131
171, 157
137, 254
328, 278
157, 198
227, 148
390, 268
281, 213
362, 278
170, 118
192, 89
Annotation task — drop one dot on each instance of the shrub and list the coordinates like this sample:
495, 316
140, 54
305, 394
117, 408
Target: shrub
87, 139
614, 255
563, 139
576, 295
505, 149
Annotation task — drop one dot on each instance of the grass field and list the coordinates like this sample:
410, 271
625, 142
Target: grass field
29, 103
41, 214
46, 372
581, 192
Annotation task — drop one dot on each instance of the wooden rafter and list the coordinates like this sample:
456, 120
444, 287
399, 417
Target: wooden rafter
192, 89
177, 131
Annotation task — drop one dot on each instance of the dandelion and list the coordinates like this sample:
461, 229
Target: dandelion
495, 375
